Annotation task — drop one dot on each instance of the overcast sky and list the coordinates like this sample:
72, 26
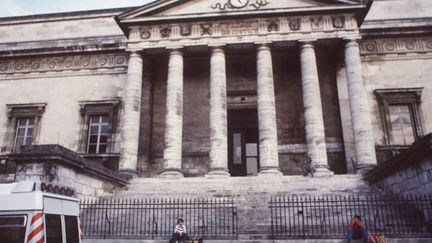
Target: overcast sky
30, 7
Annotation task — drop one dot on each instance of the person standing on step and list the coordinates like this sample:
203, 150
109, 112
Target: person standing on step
180, 232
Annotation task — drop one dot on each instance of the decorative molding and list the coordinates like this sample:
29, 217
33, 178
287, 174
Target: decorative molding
63, 63
251, 30
233, 4
396, 46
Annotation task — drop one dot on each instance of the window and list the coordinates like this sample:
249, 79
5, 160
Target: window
12, 228
23, 125
98, 134
401, 115
98, 126
402, 124
72, 234
24, 131
53, 228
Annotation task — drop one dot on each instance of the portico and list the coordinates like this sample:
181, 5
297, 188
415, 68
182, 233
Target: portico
225, 34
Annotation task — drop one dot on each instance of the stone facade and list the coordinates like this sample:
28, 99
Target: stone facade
406, 174
169, 74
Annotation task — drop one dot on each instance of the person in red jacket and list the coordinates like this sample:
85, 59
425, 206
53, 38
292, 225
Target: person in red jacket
357, 230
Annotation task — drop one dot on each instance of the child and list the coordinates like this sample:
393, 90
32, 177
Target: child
180, 233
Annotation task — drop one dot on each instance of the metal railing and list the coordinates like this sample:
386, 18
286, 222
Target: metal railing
310, 217
214, 218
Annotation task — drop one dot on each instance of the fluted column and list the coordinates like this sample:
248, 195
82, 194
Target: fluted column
268, 142
172, 155
313, 114
218, 114
360, 111
132, 111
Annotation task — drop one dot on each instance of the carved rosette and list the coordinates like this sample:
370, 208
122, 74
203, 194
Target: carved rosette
63, 63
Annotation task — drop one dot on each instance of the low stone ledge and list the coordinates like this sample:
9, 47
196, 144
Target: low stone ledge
407, 173
56, 154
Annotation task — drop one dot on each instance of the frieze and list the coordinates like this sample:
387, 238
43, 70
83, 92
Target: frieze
242, 28
325, 26
395, 46
56, 64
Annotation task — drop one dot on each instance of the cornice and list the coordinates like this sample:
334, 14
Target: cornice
39, 18
63, 46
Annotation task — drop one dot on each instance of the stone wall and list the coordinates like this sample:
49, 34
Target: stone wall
62, 89
58, 165
84, 185
407, 173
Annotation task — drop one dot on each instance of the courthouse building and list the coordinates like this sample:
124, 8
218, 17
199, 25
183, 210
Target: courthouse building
195, 88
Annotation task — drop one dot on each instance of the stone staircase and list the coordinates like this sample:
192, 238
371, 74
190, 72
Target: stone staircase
252, 194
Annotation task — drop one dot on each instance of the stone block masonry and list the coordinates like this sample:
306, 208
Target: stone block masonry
56, 164
408, 173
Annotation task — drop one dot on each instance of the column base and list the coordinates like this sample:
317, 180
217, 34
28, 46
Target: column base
323, 172
171, 174
128, 173
269, 171
217, 173
363, 168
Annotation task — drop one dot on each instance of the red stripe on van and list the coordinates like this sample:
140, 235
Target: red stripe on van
36, 217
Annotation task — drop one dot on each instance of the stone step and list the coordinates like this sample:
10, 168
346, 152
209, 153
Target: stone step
232, 186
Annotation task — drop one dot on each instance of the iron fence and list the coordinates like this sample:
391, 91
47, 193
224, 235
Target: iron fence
214, 218
310, 217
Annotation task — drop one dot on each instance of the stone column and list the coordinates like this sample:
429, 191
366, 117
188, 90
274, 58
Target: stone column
132, 112
172, 154
268, 141
218, 115
313, 114
360, 112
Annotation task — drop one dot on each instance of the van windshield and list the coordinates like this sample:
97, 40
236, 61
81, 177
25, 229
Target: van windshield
12, 228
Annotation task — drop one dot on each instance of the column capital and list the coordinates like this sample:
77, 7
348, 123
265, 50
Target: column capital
175, 51
217, 49
263, 46
135, 53
310, 43
307, 41
352, 39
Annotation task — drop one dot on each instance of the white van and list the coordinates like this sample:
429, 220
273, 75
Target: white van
35, 212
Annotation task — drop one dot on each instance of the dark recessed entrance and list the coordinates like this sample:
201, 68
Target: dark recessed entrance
243, 157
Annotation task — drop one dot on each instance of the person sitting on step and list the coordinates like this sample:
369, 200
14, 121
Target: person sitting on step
180, 233
357, 230
308, 168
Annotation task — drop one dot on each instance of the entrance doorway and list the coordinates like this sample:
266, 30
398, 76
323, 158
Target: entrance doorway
243, 153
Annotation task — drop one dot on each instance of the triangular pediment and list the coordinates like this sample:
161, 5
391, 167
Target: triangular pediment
183, 9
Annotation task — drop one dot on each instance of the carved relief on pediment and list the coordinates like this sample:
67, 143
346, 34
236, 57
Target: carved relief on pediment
338, 22
294, 24
317, 23
223, 5
273, 26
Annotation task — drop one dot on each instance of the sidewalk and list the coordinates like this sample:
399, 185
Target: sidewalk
256, 241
